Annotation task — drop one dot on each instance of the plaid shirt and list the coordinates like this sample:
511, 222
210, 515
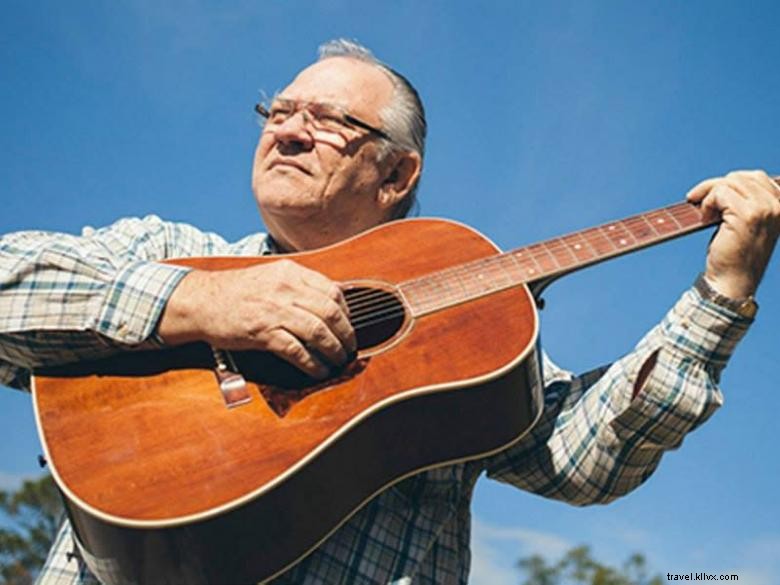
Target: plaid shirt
65, 298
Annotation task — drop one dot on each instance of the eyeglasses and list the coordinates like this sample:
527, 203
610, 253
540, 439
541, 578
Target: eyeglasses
321, 116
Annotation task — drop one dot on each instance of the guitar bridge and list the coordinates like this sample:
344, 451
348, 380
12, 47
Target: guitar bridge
232, 385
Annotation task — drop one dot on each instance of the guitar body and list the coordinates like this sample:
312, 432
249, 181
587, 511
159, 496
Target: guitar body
164, 483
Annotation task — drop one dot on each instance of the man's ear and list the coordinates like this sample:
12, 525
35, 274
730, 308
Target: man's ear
400, 177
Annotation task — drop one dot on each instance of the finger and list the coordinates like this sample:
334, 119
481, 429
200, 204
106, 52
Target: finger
700, 191
723, 199
762, 210
754, 188
333, 293
762, 188
333, 315
315, 334
721, 194
327, 287
288, 347
775, 182
758, 177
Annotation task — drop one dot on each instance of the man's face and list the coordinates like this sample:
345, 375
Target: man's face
313, 191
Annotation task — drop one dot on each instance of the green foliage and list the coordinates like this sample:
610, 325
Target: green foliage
577, 567
33, 514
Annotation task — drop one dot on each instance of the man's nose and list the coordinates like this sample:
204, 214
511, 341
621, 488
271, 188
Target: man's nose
295, 130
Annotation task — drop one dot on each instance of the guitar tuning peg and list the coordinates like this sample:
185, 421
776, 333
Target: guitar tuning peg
42, 461
539, 303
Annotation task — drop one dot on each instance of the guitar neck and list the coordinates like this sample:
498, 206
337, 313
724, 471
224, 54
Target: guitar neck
558, 256
550, 259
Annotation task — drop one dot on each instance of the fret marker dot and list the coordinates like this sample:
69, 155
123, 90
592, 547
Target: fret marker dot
480, 276
622, 242
531, 271
660, 220
577, 246
612, 227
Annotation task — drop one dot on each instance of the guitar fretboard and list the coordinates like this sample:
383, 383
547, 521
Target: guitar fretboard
550, 258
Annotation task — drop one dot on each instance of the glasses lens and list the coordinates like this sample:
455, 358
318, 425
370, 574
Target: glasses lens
326, 117
280, 111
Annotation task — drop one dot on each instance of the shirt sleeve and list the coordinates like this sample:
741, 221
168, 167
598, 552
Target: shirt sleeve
65, 298
596, 440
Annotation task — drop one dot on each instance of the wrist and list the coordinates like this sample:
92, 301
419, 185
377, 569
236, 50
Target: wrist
732, 286
184, 311
739, 300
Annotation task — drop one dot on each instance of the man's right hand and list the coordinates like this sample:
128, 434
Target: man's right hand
281, 307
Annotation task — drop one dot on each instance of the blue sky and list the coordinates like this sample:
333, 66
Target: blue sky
544, 118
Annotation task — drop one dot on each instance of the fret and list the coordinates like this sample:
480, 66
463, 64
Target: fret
639, 228
424, 297
579, 247
527, 263
611, 234
546, 262
600, 243
413, 296
436, 286
440, 284
514, 267
623, 237
560, 251
503, 277
663, 222
427, 295
456, 282
687, 216
473, 285
477, 281
458, 278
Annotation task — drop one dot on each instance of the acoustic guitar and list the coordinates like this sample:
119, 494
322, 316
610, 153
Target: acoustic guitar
195, 465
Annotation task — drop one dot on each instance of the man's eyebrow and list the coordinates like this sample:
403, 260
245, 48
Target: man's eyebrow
318, 102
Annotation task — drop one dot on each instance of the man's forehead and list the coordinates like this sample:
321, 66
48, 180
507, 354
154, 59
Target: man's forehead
347, 82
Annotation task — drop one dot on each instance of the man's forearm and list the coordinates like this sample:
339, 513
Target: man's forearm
65, 297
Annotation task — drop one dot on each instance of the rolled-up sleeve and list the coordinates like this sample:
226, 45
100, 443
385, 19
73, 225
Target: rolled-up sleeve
65, 298
597, 438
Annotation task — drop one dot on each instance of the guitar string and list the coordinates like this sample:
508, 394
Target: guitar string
372, 300
546, 249
391, 314
375, 306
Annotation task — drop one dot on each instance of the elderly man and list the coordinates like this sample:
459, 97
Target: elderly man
341, 151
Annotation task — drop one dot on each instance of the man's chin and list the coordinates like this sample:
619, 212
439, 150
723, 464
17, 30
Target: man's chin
285, 205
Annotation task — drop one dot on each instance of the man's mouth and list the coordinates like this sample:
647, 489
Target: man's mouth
289, 163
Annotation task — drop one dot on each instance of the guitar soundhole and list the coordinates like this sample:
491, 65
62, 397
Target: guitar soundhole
376, 314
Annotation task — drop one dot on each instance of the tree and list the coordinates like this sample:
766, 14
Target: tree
33, 514
577, 567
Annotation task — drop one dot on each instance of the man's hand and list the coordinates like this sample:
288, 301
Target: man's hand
748, 202
281, 307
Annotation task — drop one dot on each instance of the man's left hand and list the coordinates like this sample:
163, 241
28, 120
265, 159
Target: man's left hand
748, 203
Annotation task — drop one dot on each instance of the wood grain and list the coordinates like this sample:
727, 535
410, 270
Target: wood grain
164, 447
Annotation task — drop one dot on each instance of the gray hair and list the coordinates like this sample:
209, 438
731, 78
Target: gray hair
403, 119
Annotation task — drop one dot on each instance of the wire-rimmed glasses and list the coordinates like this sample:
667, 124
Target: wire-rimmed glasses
321, 116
